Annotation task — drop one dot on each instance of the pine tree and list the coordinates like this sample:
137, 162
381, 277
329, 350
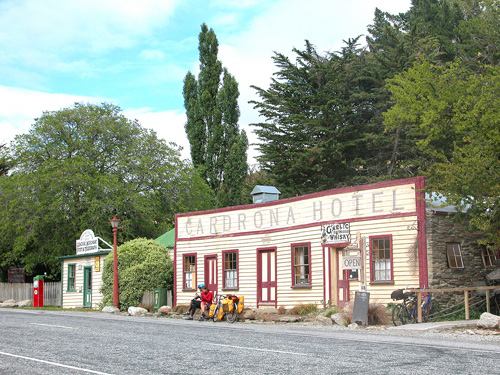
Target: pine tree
218, 147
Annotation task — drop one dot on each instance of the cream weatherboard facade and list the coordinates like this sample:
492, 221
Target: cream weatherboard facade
81, 274
292, 251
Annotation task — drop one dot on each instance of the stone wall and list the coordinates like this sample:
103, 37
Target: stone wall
441, 230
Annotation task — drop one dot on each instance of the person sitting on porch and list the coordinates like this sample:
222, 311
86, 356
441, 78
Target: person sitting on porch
202, 302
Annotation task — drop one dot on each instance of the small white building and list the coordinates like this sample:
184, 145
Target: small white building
81, 274
307, 249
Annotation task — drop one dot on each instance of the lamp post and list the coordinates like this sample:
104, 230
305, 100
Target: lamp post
116, 297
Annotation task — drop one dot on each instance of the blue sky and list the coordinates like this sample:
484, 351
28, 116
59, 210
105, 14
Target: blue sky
136, 53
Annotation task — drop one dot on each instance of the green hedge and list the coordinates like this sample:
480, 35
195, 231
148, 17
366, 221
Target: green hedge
142, 266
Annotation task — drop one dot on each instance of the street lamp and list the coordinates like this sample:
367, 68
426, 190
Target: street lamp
116, 298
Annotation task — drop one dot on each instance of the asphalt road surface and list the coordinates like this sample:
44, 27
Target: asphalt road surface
42, 342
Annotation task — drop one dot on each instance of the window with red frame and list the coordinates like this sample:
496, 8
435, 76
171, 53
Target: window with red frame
381, 259
189, 271
230, 269
301, 265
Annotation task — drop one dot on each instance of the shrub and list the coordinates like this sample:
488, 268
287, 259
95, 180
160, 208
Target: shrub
332, 310
302, 309
377, 314
142, 266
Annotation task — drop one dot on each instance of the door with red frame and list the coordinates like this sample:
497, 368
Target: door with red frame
266, 276
211, 272
342, 281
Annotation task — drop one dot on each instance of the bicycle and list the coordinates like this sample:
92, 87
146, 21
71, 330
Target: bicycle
220, 314
408, 309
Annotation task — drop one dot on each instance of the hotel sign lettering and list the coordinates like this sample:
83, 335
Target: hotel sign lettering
322, 210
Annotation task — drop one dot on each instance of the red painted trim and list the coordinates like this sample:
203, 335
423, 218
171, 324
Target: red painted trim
224, 267
293, 245
372, 271
302, 226
184, 270
205, 276
376, 185
174, 302
259, 274
423, 274
330, 272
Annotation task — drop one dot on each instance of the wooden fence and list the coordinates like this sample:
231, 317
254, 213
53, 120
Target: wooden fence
148, 298
20, 292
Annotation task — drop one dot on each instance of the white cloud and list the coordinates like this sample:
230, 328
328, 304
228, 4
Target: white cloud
46, 33
20, 107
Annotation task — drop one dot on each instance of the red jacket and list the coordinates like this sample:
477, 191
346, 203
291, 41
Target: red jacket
207, 297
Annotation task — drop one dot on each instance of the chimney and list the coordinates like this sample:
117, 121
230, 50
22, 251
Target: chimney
262, 194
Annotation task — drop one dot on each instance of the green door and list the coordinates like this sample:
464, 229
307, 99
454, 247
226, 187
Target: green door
87, 286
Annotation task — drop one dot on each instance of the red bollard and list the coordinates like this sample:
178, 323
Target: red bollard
38, 291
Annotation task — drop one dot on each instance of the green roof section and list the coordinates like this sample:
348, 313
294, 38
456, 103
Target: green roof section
167, 239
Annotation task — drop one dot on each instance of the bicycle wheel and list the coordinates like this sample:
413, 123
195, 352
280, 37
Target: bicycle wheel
232, 316
399, 315
216, 313
430, 311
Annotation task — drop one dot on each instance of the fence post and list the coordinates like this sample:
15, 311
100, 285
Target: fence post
466, 295
487, 300
419, 307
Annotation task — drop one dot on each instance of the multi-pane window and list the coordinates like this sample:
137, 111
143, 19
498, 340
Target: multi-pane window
231, 269
489, 256
71, 277
454, 254
189, 271
301, 265
381, 259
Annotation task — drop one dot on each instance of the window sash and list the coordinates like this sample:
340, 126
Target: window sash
230, 270
489, 256
381, 259
189, 271
71, 277
301, 265
454, 254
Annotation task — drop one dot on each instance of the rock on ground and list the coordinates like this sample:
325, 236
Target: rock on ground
353, 326
248, 315
8, 304
25, 303
488, 320
136, 311
338, 319
110, 309
164, 310
9, 301
324, 320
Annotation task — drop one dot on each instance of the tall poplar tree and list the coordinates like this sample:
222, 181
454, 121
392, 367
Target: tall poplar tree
218, 147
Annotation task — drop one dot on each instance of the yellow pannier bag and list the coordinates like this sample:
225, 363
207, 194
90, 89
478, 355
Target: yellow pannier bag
220, 314
241, 304
212, 310
227, 305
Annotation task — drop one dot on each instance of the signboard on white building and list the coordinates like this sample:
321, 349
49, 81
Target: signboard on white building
87, 243
332, 234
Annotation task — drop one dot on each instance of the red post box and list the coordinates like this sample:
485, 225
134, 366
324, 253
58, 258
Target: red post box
38, 291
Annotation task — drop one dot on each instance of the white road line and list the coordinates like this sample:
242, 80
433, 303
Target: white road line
262, 350
54, 364
50, 325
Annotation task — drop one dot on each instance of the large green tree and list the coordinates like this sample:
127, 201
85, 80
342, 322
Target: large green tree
76, 169
454, 115
218, 147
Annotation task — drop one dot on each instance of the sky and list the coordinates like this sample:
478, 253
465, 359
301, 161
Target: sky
135, 54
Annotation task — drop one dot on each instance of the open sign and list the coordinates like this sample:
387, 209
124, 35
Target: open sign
351, 263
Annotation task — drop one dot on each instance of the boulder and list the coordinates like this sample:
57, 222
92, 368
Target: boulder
488, 320
164, 310
353, 326
7, 304
338, 319
136, 311
9, 301
324, 320
110, 309
25, 303
248, 314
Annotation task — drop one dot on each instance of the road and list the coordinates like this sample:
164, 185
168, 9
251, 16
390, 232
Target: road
42, 342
